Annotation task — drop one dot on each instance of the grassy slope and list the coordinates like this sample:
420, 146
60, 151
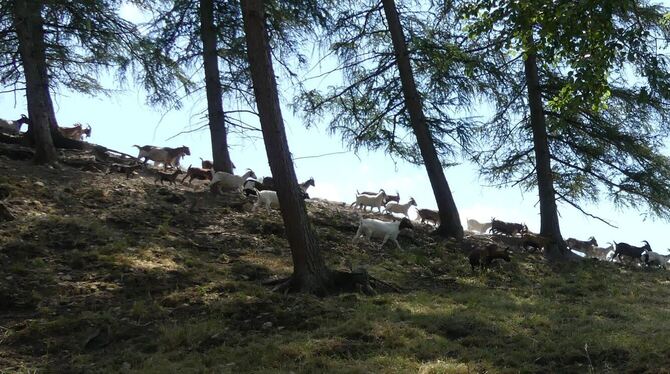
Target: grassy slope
100, 274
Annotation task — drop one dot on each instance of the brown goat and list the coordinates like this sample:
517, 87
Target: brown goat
429, 215
167, 177
76, 132
483, 257
127, 169
197, 173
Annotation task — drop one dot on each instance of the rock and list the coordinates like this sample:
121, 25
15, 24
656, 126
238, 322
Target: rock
39, 184
267, 325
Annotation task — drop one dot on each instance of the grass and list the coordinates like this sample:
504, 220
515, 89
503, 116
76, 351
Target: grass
99, 281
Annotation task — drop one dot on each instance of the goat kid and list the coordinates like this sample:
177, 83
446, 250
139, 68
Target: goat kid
374, 228
197, 173
167, 177
129, 170
375, 201
394, 207
429, 215
483, 257
267, 198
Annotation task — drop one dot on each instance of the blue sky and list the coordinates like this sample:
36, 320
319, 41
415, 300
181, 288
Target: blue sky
121, 120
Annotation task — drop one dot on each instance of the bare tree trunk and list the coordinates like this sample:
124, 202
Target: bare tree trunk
549, 223
217, 125
310, 273
450, 222
30, 32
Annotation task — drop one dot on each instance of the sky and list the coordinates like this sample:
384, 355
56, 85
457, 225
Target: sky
121, 120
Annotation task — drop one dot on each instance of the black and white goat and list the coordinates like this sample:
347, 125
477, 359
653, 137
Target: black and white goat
625, 249
13, 127
374, 228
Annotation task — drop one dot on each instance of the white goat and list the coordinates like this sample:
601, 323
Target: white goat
395, 207
12, 127
372, 201
380, 229
226, 181
267, 198
474, 225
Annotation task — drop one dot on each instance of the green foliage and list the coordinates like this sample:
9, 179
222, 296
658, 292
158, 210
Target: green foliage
604, 81
83, 39
367, 108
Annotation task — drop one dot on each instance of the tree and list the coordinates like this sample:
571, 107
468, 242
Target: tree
61, 44
376, 107
310, 273
583, 123
186, 33
450, 223
183, 35
30, 38
217, 125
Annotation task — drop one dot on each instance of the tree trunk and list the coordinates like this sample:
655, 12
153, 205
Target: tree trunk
549, 224
30, 32
217, 125
310, 273
450, 222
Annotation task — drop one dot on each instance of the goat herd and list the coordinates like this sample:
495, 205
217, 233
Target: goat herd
511, 234
76, 132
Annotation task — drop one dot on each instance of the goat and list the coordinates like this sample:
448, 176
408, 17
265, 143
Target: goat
197, 173
536, 242
394, 207
127, 169
169, 177
207, 164
226, 181
483, 257
369, 228
598, 252
268, 198
474, 225
305, 185
625, 249
581, 245
76, 132
13, 127
370, 200
165, 155
500, 227
250, 185
390, 198
655, 258
429, 215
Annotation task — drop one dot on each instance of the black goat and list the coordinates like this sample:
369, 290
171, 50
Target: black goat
500, 227
625, 249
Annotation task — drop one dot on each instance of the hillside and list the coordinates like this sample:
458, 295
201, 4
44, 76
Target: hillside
103, 274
